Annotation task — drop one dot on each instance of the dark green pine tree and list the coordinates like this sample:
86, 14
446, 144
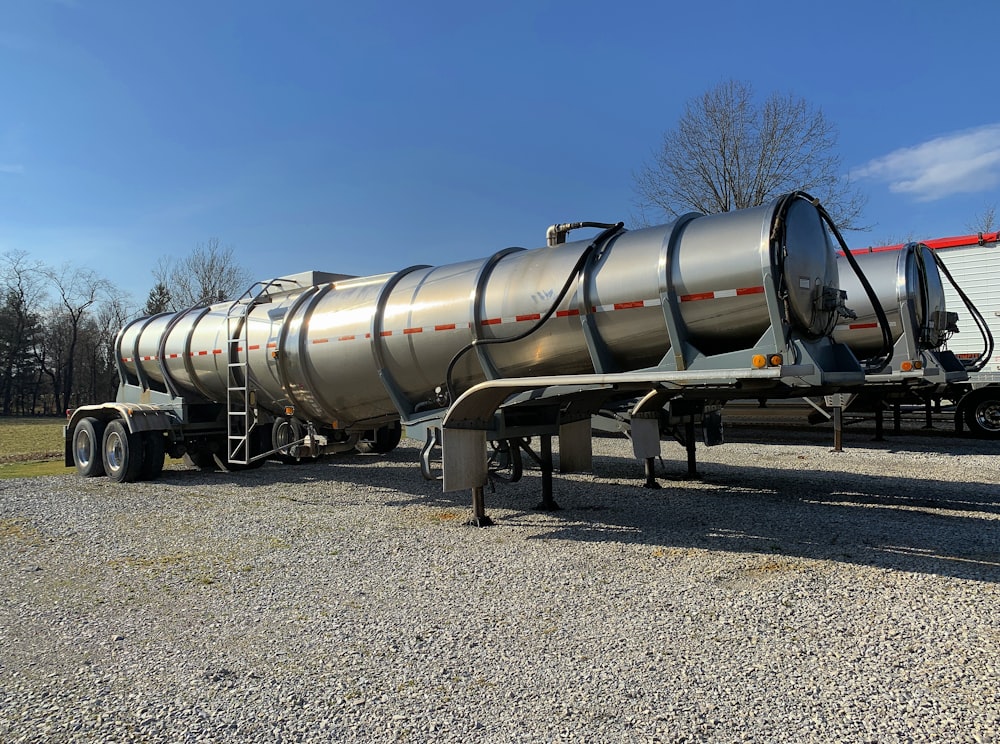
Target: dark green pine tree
159, 300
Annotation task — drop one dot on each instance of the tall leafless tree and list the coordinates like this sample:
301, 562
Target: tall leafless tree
77, 290
727, 152
985, 221
97, 349
210, 273
23, 295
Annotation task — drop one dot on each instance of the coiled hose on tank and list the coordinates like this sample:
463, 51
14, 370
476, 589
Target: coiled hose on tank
878, 363
977, 317
609, 231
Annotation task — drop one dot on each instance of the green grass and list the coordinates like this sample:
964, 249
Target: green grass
31, 446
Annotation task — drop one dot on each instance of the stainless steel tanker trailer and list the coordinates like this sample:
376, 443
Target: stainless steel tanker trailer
913, 284
519, 344
909, 312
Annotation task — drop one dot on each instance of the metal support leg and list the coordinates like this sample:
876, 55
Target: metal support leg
692, 472
479, 518
692, 460
879, 430
838, 429
928, 415
650, 473
545, 463
897, 418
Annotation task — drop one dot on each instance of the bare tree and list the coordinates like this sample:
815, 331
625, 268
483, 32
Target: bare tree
77, 290
96, 375
985, 221
727, 152
208, 274
23, 294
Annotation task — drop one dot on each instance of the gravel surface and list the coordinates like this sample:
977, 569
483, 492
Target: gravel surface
790, 594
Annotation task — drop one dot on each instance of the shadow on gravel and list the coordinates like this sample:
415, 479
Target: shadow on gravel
896, 523
942, 527
936, 526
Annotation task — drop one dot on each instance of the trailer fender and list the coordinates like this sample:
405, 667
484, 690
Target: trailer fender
87, 424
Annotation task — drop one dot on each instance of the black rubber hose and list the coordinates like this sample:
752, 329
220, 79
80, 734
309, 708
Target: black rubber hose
980, 321
605, 235
879, 363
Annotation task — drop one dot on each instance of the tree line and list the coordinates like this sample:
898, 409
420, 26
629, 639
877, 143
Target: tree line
58, 324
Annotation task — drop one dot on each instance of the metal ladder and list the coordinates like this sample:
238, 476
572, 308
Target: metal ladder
240, 415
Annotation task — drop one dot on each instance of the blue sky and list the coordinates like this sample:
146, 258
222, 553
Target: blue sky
368, 136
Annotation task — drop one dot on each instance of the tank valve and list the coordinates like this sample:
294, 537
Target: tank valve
831, 299
556, 234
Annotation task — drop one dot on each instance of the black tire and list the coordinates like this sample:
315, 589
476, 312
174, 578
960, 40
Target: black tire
284, 432
982, 413
87, 440
384, 440
153, 452
121, 451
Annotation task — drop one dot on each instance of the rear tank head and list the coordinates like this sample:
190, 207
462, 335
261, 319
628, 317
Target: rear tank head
796, 254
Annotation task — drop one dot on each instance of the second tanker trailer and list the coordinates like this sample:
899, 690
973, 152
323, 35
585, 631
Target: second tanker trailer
523, 342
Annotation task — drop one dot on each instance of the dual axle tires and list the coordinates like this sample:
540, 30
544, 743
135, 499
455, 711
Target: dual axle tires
109, 448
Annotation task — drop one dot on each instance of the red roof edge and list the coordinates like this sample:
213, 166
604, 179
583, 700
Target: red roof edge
937, 243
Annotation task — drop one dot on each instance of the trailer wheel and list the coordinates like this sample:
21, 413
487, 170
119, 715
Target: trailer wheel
982, 413
87, 438
384, 440
285, 432
122, 453
153, 452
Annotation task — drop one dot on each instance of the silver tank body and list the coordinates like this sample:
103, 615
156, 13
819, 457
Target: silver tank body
906, 280
329, 350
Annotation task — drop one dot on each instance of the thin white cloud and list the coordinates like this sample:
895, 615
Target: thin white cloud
963, 162
11, 168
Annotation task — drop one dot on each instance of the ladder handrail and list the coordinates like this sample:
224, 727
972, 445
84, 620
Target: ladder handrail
240, 422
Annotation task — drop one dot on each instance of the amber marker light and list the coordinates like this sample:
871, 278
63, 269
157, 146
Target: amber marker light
906, 366
917, 364
289, 410
775, 360
759, 361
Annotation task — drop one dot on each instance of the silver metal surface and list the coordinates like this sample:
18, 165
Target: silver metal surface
352, 351
905, 281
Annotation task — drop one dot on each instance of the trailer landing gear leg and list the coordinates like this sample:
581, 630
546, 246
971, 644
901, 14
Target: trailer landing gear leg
650, 465
479, 518
692, 460
545, 463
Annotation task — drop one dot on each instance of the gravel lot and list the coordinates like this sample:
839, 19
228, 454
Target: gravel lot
791, 594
